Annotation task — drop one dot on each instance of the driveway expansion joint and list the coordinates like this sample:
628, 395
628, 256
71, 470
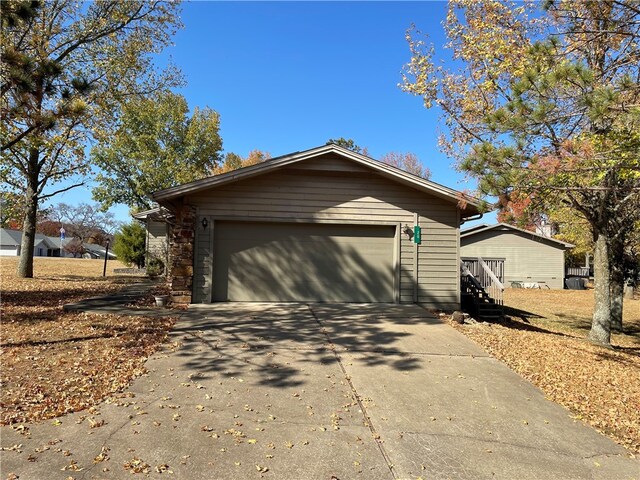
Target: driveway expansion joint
88, 469
356, 395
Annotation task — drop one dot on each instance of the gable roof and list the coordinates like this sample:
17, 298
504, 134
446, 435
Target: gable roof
472, 206
157, 213
506, 227
98, 250
10, 237
14, 238
475, 227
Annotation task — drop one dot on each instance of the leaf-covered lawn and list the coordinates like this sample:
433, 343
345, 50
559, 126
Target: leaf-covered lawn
55, 362
544, 341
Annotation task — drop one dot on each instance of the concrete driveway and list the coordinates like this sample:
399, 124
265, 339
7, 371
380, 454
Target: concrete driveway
296, 391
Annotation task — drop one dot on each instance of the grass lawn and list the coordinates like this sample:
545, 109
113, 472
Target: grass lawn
53, 362
543, 339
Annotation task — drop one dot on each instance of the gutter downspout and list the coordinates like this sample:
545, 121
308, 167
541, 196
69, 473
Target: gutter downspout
470, 219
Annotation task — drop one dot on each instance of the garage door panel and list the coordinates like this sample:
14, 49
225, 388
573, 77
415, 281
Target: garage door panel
303, 262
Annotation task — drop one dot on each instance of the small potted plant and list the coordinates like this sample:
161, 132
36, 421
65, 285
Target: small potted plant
161, 300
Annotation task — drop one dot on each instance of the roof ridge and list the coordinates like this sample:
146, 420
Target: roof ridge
394, 173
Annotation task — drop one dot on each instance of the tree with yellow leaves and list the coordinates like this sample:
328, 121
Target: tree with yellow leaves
546, 105
233, 161
66, 68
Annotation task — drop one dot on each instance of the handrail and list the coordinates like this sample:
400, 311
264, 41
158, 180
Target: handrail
492, 275
577, 271
469, 274
479, 279
465, 269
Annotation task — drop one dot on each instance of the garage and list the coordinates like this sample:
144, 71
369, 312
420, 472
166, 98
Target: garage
319, 225
310, 262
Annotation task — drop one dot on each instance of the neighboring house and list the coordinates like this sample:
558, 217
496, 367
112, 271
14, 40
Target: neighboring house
10, 241
10, 244
155, 221
322, 225
547, 229
528, 257
59, 247
91, 250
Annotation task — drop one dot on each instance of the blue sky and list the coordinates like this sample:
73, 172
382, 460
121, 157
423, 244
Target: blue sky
287, 76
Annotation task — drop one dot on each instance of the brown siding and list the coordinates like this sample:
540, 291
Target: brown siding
156, 237
346, 194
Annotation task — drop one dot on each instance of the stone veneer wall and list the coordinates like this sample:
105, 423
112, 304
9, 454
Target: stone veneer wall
181, 240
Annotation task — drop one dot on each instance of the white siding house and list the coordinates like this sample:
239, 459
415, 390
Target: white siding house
46, 246
10, 241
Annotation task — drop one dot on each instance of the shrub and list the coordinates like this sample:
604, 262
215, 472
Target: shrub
155, 266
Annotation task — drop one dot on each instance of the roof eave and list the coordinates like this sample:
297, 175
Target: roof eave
469, 206
491, 227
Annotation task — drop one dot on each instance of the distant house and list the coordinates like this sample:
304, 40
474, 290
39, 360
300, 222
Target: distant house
91, 250
10, 244
529, 258
10, 241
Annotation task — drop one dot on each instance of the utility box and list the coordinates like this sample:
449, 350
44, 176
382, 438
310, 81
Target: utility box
574, 283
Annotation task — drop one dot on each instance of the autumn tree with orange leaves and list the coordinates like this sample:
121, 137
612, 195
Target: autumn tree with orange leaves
409, 162
233, 161
546, 104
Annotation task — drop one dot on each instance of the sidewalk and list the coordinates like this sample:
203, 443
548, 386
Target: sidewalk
118, 303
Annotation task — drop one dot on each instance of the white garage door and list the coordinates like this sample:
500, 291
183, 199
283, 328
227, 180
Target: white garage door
303, 262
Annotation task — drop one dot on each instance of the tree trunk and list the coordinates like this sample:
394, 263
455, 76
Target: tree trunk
25, 266
601, 324
617, 284
617, 291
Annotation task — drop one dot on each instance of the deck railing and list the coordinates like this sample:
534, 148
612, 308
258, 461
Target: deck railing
488, 273
578, 272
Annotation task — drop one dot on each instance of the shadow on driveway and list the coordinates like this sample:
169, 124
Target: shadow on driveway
317, 330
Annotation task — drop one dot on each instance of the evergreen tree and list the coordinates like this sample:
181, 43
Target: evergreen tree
349, 144
129, 244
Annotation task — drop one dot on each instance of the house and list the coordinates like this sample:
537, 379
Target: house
528, 257
91, 250
321, 225
10, 244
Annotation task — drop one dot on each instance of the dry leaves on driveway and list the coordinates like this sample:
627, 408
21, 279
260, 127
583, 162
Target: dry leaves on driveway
548, 347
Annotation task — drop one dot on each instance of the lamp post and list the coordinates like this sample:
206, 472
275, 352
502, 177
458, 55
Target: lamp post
106, 254
62, 236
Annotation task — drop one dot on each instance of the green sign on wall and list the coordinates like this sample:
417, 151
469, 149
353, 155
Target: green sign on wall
417, 234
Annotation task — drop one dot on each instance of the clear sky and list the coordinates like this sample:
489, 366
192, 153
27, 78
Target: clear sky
288, 76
